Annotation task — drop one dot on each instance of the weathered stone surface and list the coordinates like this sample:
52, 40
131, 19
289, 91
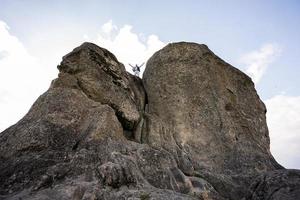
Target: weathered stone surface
200, 133
206, 108
103, 79
276, 185
201, 107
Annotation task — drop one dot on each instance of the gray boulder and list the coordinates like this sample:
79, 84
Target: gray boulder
207, 114
276, 185
197, 131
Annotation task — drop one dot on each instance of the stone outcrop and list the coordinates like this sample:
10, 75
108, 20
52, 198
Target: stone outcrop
193, 128
206, 113
273, 185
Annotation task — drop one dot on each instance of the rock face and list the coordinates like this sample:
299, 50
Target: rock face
275, 185
193, 128
205, 112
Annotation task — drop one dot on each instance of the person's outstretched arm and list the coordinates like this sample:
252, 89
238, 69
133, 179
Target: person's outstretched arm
142, 64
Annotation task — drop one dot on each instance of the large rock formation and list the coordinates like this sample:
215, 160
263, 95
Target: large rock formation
194, 128
206, 113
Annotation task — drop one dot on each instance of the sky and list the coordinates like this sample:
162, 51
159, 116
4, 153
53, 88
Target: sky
261, 38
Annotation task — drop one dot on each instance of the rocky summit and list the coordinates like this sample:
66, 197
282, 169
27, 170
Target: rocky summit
192, 128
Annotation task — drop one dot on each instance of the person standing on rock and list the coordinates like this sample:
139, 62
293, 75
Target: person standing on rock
136, 69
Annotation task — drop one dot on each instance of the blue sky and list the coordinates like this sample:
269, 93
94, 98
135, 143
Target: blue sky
259, 37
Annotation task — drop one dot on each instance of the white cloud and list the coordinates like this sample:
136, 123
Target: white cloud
283, 111
21, 78
284, 126
127, 45
257, 62
109, 27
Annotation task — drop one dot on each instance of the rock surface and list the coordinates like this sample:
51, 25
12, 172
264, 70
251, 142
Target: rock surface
276, 185
206, 113
193, 128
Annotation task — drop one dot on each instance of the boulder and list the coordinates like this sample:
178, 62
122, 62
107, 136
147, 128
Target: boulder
206, 113
193, 128
276, 185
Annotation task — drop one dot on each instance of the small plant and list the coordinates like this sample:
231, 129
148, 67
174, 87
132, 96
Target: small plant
145, 196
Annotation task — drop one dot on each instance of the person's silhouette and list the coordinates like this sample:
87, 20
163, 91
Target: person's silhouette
136, 69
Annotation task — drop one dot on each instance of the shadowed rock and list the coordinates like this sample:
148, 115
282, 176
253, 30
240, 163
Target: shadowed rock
198, 133
103, 79
275, 185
